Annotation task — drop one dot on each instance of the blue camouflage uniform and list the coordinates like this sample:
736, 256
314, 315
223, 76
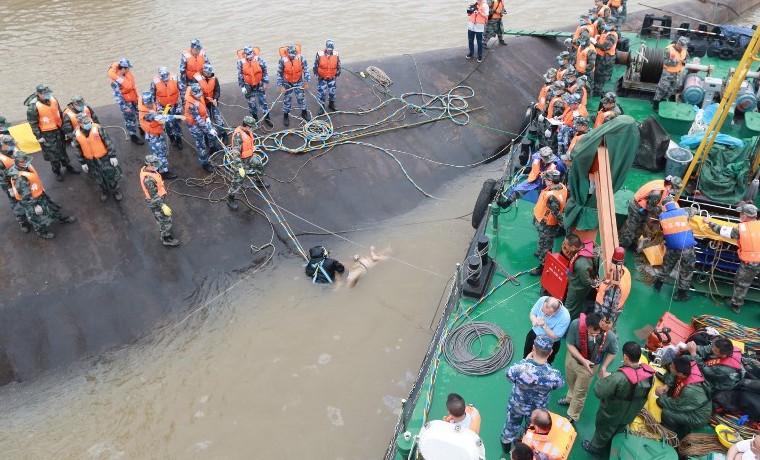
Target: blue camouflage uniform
173, 128
202, 132
326, 86
296, 87
128, 109
254, 94
157, 143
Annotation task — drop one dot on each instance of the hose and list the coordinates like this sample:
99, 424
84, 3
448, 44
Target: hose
459, 349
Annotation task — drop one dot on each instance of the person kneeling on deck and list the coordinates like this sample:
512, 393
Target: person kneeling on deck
679, 242
621, 395
550, 435
613, 291
582, 273
720, 363
748, 234
547, 215
544, 161
320, 268
647, 202
461, 414
684, 400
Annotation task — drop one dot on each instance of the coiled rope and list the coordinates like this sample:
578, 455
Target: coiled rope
655, 430
750, 336
698, 444
459, 351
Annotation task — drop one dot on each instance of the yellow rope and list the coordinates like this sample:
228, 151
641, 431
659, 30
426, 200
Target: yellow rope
655, 430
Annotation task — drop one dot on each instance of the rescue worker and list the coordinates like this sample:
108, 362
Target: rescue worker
321, 268
581, 129
609, 110
720, 363
253, 79
582, 273
550, 435
556, 105
245, 159
544, 160
166, 89
621, 396
44, 117
494, 26
548, 215
602, 10
646, 202
199, 124
567, 130
153, 187
477, 17
549, 78
74, 108
586, 28
620, 10
574, 86
192, 62
591, 345
550, 318
40, 210
293, 77
462, 415
585, 59
563, 63
125, 94
211, 91
675, 59
679, 248
605, 47
7, 148
533, 378
748, 235
614, 289
152, 122
4, 126
684, 399
97, 156
327, 69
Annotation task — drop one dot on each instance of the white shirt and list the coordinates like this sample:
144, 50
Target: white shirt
479, 27
744, 448
466, 422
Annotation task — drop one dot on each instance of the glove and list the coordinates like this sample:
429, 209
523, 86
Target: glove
212, 132
10, 192
85, 168
620, 9
38, 210
114, 162
166, 210
540, 118
41, 140
241, 171
243, 90
548, 133
592, 40
568, 42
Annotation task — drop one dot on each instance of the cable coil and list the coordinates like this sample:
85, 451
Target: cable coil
459, 349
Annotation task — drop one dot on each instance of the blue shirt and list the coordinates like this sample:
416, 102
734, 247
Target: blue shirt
558, 322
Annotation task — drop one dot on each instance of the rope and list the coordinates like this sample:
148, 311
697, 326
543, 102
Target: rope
697, 444
379, 76
655, 430
750, 336
746, 431
459, 349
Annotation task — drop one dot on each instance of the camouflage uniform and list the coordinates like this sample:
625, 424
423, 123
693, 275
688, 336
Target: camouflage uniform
68, 128
637, 217
50, 210
155, 204
254, 94
746, 273
102, 170
686, 259
290, 88
194, 44
605, 64
326, 87
172, 126
532, 384
494, 26
53, 149
251, 165
202, 133
128, 110
547, 233
5, 186
668, 83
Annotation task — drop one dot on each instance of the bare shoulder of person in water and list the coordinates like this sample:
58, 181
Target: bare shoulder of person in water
362, 264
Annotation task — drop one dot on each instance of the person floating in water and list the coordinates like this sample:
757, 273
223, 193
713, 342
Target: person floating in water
362, 264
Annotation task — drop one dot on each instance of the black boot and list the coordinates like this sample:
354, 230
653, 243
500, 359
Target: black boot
286, 119
656, 105
72, 170
46, 235
734, 308
657, 285
331, 106
169, 241
231, 202
103, 196
168, 175
268, 122
305, 115
136, 139
67, 219
255, 117
178, 142
260, 183
207, 167
117, 195
25, 227
58, 175
506, 447
682, 295
321, 111
537, 271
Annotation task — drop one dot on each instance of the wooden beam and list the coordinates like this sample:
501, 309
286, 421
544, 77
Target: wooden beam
605, 205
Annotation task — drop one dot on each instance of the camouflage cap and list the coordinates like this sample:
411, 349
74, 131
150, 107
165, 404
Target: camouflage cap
749, 210
208, 68
574, 99
571, 72
292, 50
195, 44
330, 44
552, 174
543, 342
7, 139
42, 88
21, 157
147, 97
163, 72
546, 153
675, 181
559, 85
667, 199
683, 41
151, 160
564, 55
77, 100
249, 121
248, 50
611, 21
124, 63
580, 121
196, 90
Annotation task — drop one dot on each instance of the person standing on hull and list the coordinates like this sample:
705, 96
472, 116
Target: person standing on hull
166, 89
293, 77
244, 159
152, 122
748, 234
679, 244
211, 91
192, 62
585, 59
97, 156
646, 203
676, 55
125, 94
44, 117
199, 124
253, 79
548, 216
153, 187
494, 26
7, 148
327, 69
550, 318
478, 16
40, 210
75, 107
605, 48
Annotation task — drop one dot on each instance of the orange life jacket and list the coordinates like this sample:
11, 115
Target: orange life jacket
474, 418
561, 74
601, 116
749, 241
576, 138
555, 444
6, 161
642, 194
154, 128
252, 72
69, 112
536, 169
35, 184
207, 86
167, 93
581, 58
498, 8
92, 146
328, 65
292, 71
200, 103
615, 3
126, 83
246, 150
480, 15
541, 211
625, 289
156, 176
602, 39
541, 104
49, 116
604, 11
675, 56
553, 106
193, 64
570, 114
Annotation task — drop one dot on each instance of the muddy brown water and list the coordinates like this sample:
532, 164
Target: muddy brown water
275, 367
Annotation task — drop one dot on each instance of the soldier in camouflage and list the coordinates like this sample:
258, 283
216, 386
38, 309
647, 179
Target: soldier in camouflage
548, 217
75, 107
202, 130
290, 81
676, 55
679, 244
7, 148
40, 210
641, 209
585, 67
165, 80
44, 117
327, 70
153, 187
157, 142
245, 161
122, 83
253, 79
4, 126
749, 267
90, 140
605, 62
494, 26
533, 378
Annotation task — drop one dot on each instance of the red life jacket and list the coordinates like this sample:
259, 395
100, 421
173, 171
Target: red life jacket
583, 338
638, 374
734, 361
587, 251
695, 377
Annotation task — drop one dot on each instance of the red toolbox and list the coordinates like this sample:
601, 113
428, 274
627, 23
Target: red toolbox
669, 331
554, 276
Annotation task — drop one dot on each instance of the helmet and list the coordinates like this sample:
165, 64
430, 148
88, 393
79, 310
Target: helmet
124, 63
329, 44
195, 44
292, 50
749, 210
82, 118
249, 121
208, 68
7, 139
618, 256
77, 100
163, 73
684, 41
42, 88
21, 157
151, 160
147, 97
196, 90
580, 121
248, 50
546, 153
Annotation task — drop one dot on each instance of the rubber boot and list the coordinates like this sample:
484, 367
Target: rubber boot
72, 170
231, 202
286, 119
506, 447
656, 105
331, 106
67, 219
136, 139
268, 122
657, 285
502, 42
682, 295
169, 241
207, 167
305, 115
117, 195
537, 271
25, 227
58, 175
168, 175
46, 235
103, 196
321, 111
734, 308
255, 117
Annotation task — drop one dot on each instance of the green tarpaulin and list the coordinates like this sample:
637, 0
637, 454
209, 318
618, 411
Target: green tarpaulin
621, 136
725, 172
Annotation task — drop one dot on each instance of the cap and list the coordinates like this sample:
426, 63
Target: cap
580, 121
559, 85
124, 63
748, 210
249, 121
329, 44
151, 160
611, 21
552, 174
163, 72
7, 139
42, 88
546, 152
683, 41
675, 181
195, 44
575, 99
571, 72
21, 157
618, 255
147, 97
564, 55
208, 68
82, 118
543, 342
551, 71
667, 199
248, 50
196, 90
291, 50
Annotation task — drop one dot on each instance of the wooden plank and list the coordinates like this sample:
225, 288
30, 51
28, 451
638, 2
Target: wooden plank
605, 204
